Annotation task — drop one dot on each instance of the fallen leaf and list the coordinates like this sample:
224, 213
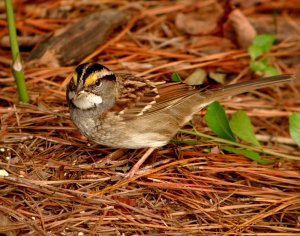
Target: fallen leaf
203, 21
241, 29
191, 25
3, 173
196, 78
217, 76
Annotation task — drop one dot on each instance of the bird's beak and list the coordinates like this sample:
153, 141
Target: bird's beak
79, 90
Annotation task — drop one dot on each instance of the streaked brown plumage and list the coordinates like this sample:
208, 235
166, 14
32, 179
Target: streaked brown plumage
124, 111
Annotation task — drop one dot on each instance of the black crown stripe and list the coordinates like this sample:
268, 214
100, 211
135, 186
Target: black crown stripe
95, 67
109, 77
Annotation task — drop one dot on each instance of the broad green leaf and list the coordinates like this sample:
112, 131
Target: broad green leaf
294, 127
241, 126
264, 41
270, 71
258, 66
175, 77
255, 51
247, 153
217, 121
265, 61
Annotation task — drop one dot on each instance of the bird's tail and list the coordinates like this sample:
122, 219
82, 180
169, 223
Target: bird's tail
234, 89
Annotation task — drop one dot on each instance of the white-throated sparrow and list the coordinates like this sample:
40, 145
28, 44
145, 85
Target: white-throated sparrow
124, 111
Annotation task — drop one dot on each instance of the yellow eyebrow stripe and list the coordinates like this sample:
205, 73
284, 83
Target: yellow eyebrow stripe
91, 79
75, 78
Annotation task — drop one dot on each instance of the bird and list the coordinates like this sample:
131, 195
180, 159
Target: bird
120, 110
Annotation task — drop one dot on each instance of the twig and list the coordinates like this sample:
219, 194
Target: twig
258, 149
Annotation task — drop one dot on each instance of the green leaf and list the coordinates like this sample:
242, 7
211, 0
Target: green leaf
255, 51
265, 61
294, 127
258, 66
260, 45
217, 121
270, 71
175, 77
264, 41
247, 153
241, 126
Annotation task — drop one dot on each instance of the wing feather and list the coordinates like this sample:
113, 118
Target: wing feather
141, 97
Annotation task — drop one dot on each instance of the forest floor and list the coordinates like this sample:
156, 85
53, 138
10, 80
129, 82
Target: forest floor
60, 183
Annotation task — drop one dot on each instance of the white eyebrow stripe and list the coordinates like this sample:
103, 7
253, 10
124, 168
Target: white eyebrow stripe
102, 73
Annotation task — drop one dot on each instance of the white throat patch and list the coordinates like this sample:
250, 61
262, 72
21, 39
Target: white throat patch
85, 100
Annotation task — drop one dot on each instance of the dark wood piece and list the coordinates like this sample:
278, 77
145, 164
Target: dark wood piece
71, 44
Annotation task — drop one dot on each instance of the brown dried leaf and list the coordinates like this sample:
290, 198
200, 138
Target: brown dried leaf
5, 221
191, 25
196, 78
204, 21
217, 76
242, 30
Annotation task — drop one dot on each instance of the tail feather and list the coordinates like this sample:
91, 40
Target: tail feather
234, 89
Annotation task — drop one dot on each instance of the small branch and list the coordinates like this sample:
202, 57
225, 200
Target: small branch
270, 138
254, 148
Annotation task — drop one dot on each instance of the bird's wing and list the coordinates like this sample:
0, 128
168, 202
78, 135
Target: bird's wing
139, 97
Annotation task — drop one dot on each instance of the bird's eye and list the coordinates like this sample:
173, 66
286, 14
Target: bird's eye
98, 82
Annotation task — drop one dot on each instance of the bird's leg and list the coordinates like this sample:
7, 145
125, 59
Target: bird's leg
137, 165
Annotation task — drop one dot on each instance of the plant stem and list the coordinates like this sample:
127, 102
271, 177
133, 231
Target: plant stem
258, 149
17, 67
